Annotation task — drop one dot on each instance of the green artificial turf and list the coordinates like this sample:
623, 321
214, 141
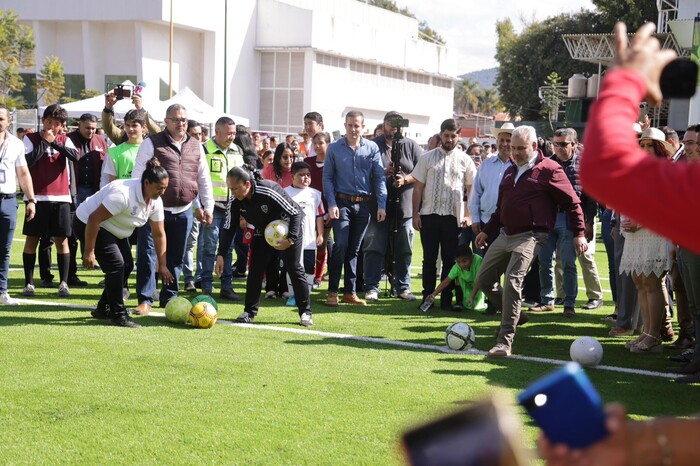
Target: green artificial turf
78, 391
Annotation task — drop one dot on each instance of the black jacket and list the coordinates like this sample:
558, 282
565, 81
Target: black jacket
269, 202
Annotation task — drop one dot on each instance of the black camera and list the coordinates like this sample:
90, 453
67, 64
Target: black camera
399, 123
123, 91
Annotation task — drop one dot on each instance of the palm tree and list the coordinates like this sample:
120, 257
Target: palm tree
489, 102
466, 97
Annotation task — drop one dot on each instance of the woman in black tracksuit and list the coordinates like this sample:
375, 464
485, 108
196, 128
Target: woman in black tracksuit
260, 202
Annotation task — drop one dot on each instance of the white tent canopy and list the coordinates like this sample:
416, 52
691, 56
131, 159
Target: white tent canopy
197, 109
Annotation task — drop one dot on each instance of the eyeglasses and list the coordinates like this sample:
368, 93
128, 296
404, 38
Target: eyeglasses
181, 121
561, 144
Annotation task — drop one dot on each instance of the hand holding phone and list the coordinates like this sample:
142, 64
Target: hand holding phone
566, 406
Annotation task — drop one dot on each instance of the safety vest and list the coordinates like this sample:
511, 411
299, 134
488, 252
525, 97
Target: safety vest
219, 165
124, 156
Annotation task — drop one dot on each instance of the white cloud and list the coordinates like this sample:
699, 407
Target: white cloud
469, 26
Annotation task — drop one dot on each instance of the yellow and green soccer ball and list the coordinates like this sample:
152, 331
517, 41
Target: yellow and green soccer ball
207, 299
203, 315
177, 310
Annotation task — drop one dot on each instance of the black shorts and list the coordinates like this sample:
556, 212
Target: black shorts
51, 219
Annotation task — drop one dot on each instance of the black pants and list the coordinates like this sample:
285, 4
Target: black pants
261, 255
114, 256
438, 232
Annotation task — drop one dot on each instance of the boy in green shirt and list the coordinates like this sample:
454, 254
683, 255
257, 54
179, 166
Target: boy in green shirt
464, 272
120, 159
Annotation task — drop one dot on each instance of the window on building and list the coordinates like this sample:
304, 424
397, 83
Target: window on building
281, 91
74, 83
331, 60
28, 93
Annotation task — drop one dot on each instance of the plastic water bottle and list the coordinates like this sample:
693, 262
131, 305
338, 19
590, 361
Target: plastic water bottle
427, 303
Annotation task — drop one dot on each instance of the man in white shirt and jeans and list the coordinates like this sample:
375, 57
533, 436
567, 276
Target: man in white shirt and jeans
13, 168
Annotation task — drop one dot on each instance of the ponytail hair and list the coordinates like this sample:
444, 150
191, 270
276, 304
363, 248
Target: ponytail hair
154, 173
244, 173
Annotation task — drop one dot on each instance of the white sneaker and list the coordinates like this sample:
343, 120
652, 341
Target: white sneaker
29, 290
407, 296
372, 295
285, 295
306, 320
7, 300
270, 295
63, 290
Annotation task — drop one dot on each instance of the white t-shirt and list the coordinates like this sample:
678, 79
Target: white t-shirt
124, 200
309, 199
11, 156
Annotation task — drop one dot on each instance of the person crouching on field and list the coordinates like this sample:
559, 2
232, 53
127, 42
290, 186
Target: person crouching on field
260, 202
464, 273
105, 221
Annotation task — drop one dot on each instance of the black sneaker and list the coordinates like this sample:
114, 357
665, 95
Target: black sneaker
684, 357
75, 281
48, 283
124, 321
229, 295
245, 318
101, 312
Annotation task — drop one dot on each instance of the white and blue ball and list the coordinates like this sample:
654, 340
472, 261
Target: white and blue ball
460, 336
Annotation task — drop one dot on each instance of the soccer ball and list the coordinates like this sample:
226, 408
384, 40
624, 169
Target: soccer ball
460, 336
203, 315
275, 232
177, 310
207, 299
586, 351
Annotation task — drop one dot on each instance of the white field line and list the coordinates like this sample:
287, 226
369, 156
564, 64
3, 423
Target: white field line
382, 341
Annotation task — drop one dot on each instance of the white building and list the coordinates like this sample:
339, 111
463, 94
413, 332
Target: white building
269, 60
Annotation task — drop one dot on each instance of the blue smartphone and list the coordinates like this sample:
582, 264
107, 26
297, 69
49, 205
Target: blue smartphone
566, 406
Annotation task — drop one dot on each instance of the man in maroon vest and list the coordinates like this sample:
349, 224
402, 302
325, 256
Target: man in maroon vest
85, 177
48, 154
183, 158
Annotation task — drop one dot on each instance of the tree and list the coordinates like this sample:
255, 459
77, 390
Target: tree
633, 13
551, 98
16, 52
87, 93
489, 102
50, 82
466, 96
525, 60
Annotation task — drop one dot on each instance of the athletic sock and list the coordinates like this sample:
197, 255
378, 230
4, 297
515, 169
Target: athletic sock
63, 261
28, 261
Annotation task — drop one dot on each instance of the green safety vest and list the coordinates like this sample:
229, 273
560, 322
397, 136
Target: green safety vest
124, 156
219, 165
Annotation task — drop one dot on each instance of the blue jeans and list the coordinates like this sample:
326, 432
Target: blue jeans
609, 242
8, 223
348, 231
206, 250
376, 243
177, 227
83, 192
560, 234
188, 265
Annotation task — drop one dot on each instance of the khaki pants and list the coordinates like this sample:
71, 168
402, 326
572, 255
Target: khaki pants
510, 255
